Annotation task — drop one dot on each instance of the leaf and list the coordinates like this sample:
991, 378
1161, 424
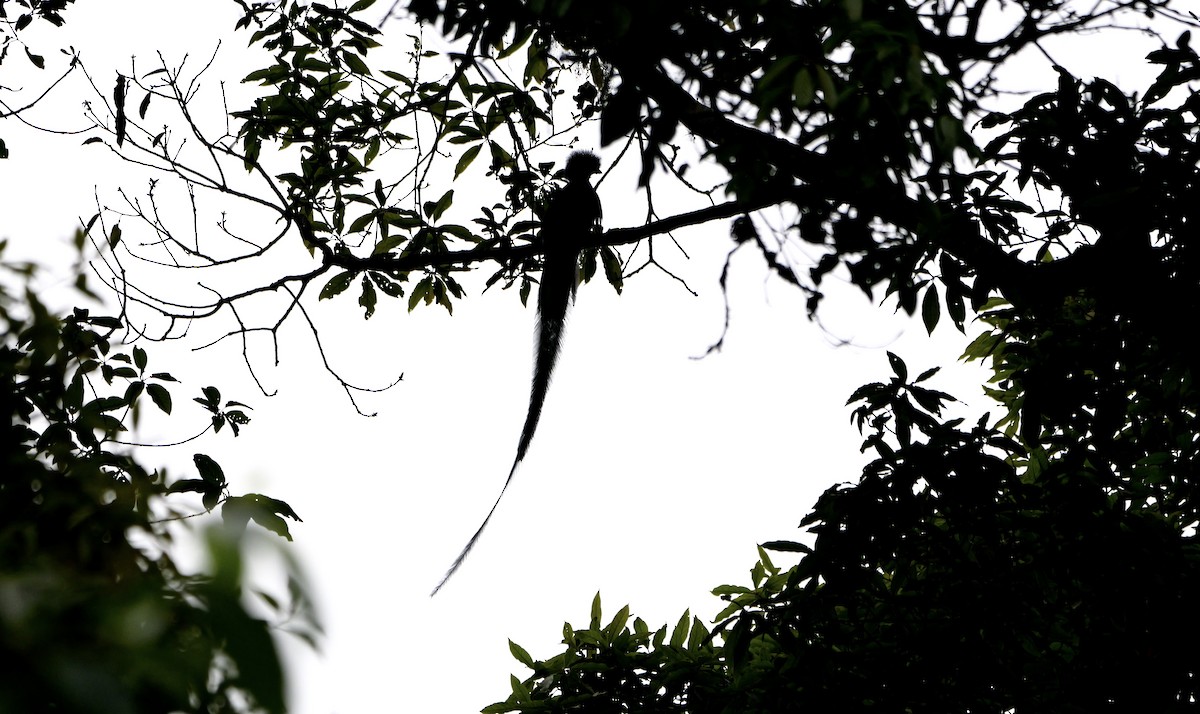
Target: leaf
114, 236
981, 346
898, 367
442, 204
362, 222
679, 636
336, 285
931, 309
612, 268
372, 151
263, 510
520, 654
209, 470
785, 546
356, 64
520, 691
144, 106
161, 397
387, 286
618, 622
422, 291
212, 397
104, 404
465, 160
367, 298
389, 243
189, 484
133, 391
595, 619
927, 374
698, 635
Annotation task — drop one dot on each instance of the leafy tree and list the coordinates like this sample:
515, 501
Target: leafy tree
1040, 561
96, 616
1043, 562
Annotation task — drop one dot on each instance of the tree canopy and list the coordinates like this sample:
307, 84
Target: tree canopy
1037, 560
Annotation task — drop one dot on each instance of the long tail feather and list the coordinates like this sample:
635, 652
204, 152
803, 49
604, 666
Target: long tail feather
554, 297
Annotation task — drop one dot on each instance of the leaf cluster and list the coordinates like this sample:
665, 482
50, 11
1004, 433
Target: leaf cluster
1043, 561
97, 617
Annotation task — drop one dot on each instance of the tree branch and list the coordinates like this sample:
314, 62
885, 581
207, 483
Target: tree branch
613, 237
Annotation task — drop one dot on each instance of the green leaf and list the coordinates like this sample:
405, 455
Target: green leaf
465, 160
362, 222
422, 291
387, 286
442, 204
271, 522
981, 346
698, 635
595, 619
336, 285
731, 589
356, 64
520, 654
679, 636
372, 151
612, 268
618, 622
389, 243
520, 691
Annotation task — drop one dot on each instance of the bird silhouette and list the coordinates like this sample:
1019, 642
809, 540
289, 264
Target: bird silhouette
571, 212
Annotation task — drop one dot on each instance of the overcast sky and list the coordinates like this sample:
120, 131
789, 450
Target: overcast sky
652, 477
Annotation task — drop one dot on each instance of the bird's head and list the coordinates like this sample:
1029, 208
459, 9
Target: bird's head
581, 165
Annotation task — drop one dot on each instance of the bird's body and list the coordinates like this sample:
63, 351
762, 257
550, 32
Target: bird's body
572, 212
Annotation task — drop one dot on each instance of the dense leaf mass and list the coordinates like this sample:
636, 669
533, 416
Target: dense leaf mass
1039, 562
96, 617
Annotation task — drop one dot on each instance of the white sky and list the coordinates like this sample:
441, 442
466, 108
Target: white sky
652, 476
